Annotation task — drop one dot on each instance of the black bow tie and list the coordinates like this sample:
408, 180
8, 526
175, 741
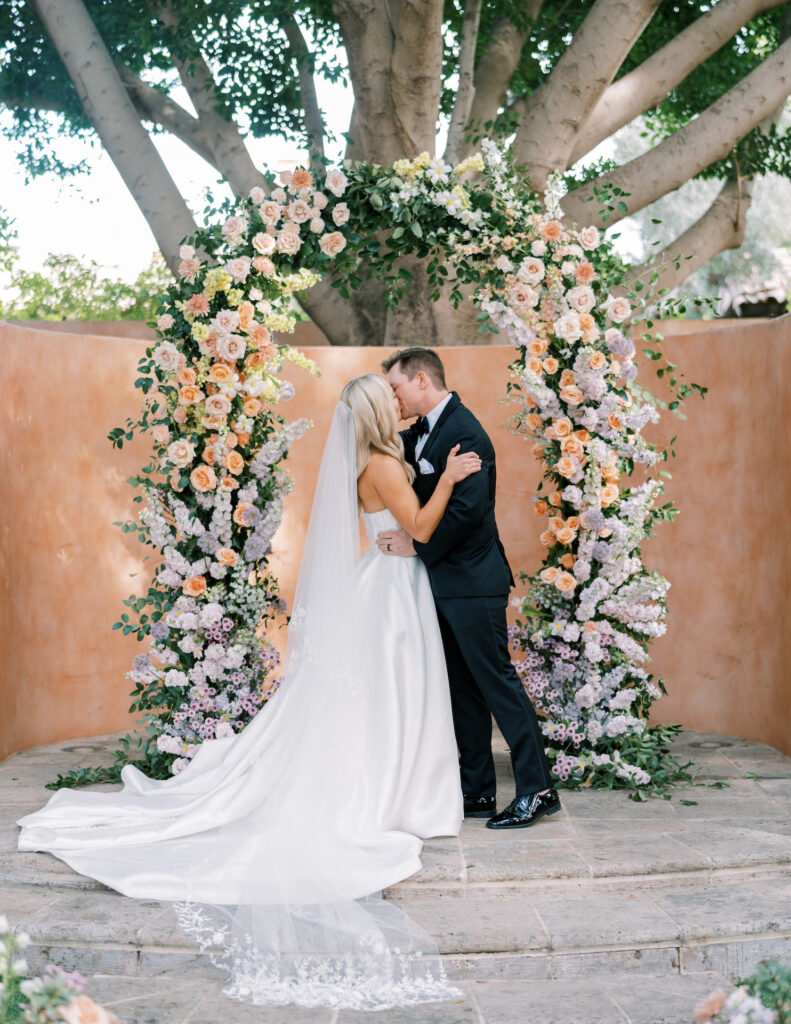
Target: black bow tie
420, 426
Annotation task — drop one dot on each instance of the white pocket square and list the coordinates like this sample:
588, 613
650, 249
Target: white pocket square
425, 466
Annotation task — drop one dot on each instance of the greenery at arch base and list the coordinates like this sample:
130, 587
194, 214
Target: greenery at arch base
212, 494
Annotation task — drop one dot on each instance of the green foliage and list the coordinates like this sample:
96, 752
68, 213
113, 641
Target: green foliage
771, 982
66, 288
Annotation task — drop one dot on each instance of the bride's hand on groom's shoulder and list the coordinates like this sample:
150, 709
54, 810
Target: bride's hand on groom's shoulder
395, 542
459, 466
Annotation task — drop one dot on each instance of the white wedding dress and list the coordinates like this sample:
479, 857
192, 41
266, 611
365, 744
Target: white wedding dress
274, 841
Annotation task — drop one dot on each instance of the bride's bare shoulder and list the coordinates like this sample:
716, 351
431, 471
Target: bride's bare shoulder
382, 467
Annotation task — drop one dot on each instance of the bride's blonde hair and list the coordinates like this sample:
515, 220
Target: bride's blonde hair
370, 399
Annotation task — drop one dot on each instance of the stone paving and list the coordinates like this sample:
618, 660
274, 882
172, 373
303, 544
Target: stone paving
612, 911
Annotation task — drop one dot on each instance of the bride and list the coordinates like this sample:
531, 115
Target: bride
276, 843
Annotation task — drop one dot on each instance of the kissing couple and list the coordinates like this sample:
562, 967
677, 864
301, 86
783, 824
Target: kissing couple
274, 844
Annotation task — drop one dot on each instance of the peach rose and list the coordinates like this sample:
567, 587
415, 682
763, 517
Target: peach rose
562, 427
263, 244
567, 561
537, 450
160, 433
332, 243
590, 627
233, 462
547, 538
233, 229
239, 512
597, 361
252, 407
194, 586
220, 373
187, 376
556, 523
550, 231
609, 494
270, 214
246, 311
572, 395
556, 499
218, 405
614, 422
710, 1007
83, 1010
566, 466
566, 535
540, 507
533, 420
617, 309
203, 478
567, 377
243, 436
571, 446
225, 556
229, 483
522, 297
583, 436
181, 453
535, 366
605, 532
565, 583
288, 243
209, 455
264, 265
180, 415
537, 347
190, 395
254, 360
231, 440
317, 225
551, 365
549, 575
573, 522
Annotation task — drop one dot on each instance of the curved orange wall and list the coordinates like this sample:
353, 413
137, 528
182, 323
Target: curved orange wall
65, 570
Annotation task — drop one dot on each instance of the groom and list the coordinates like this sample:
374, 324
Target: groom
470, 580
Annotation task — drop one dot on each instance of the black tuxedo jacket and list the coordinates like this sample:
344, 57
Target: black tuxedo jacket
464, 557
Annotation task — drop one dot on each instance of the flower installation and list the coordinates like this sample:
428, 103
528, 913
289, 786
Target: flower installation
56, 995
212, 495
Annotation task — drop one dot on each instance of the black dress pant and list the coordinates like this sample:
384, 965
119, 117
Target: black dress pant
484, 683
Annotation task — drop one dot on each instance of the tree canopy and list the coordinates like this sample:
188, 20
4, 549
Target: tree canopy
556, 78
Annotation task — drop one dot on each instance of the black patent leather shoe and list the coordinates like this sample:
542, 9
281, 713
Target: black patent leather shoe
526, 810
482, 807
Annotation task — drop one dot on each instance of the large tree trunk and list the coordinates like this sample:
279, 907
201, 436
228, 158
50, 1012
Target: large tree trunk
117, 124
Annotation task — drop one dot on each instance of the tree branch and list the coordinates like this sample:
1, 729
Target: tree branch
701, 142
230, 153
314, 123
466, 88
650, 83
110, 110
552, 117
495, 69
156, 106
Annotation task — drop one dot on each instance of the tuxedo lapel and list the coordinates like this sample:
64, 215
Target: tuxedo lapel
454, 403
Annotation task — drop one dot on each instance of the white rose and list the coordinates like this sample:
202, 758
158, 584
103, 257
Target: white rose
279, 196
298, 211
539, 247
531, 270
257, 195
263, 243
226, 321
317, 225
617, 309
504, 264
589, 237
340, 214
165, 322
186, 252
336, 181
288, 243
166, 356
581, 298
239, 269
231, 347
568, 327
234, 229
319, 200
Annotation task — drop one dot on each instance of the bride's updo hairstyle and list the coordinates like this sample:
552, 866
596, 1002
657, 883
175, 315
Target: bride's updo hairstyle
370, 399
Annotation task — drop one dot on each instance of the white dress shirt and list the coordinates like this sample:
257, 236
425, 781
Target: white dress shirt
431, 419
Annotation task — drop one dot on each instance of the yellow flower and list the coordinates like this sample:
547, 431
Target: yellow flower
472, 163
301, 360
200, 332
234, 296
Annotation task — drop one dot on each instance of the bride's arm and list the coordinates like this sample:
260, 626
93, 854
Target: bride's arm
387, 477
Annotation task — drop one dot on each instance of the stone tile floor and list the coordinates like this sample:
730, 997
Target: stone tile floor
612, 911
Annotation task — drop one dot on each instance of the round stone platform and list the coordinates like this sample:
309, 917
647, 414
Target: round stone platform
611, 912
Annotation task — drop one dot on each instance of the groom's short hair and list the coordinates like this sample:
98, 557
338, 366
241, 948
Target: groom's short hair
410, 360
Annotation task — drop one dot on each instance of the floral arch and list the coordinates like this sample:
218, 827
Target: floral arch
213, 491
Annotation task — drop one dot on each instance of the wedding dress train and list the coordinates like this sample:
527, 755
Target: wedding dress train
274, 840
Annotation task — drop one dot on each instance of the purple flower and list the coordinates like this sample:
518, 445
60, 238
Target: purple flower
601, 551
159, 630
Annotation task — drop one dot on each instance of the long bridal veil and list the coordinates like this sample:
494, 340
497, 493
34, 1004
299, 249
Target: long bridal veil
300, 919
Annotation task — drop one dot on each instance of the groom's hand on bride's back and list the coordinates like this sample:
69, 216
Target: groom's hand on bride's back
395, 542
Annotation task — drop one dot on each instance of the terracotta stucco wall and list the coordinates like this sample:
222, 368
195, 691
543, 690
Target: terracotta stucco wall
65, 570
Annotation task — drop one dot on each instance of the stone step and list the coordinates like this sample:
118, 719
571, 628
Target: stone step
637, 999
663, 930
